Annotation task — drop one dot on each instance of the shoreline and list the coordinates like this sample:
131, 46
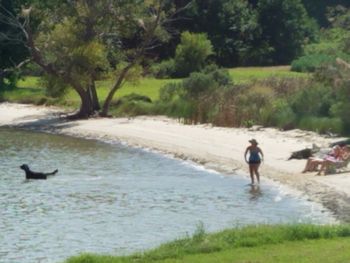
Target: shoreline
216, 148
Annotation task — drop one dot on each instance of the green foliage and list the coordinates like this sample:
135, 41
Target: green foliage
54, 87
336, 78
168, 92
220, 75
81, 42
164, 69
279, 114
318, 9
198, 83
341, 110
68, 50
315, 100
238, 27
322, 125
339, 17
192, 53
12, 48
132, 105
285, 27
312, 62
331, 41
9, 80
331, 45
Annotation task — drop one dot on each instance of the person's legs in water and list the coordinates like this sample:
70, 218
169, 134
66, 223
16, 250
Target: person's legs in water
256, 171
251, 171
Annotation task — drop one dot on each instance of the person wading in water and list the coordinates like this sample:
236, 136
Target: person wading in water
256, 156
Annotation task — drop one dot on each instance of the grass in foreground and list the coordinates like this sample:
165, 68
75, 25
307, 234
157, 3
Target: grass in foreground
286, 243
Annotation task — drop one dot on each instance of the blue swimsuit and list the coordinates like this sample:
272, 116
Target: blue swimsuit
254, 157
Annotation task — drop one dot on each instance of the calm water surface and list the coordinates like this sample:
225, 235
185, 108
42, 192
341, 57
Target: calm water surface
108, 198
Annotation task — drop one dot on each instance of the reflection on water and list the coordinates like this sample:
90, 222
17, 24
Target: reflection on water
255, 192
112, 199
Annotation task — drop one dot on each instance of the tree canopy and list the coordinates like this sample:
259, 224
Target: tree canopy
76, 43
82, 41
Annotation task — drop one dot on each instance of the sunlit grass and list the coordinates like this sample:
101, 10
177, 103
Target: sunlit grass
284, 243
30, 91
246, 74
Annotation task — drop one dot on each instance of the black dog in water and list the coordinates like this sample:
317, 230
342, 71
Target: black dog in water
35, 175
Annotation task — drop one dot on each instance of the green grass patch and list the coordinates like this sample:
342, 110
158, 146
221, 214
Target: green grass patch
29, 90
284, 243
246, 74
29, 87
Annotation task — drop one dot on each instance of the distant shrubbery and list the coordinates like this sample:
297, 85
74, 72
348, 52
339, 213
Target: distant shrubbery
333, 43
320, 103
191, 55
311, 63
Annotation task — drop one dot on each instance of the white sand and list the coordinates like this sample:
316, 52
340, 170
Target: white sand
218, 148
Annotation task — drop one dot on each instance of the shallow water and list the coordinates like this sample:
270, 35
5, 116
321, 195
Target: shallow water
109, 198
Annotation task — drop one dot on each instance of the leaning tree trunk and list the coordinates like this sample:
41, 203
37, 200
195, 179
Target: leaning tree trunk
117, 85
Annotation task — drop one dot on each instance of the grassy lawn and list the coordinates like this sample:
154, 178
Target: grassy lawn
243, 75
29, 90
289, 243
311, 251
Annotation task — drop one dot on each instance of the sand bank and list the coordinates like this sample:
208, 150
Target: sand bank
217, 148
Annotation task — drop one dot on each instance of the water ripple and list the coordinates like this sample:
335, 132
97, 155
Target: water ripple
113, 199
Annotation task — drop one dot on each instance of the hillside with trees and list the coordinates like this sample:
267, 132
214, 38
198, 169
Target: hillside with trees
74, 45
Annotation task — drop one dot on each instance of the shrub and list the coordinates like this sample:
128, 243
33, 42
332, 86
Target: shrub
321, 124
198, 83
169, 91
164, 69
312, 62
136, 97
132, 105
54, 87
192, 53
341, 110
315, 100
220, 75
278, 113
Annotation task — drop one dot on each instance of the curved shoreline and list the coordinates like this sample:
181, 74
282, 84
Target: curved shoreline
216, 148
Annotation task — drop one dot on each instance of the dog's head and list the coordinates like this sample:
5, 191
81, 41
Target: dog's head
24, 167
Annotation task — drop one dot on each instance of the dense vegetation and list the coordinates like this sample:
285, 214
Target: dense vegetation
77, 53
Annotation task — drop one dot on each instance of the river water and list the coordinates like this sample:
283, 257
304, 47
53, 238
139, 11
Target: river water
109, 198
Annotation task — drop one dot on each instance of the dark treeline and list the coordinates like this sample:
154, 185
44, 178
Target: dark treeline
253, 32
242, 32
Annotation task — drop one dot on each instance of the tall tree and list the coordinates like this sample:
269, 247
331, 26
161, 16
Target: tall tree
84, 40
318, 9
12, 53
231, 26
286, 26
239, 29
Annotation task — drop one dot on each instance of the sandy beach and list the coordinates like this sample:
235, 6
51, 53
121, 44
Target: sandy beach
216, 148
